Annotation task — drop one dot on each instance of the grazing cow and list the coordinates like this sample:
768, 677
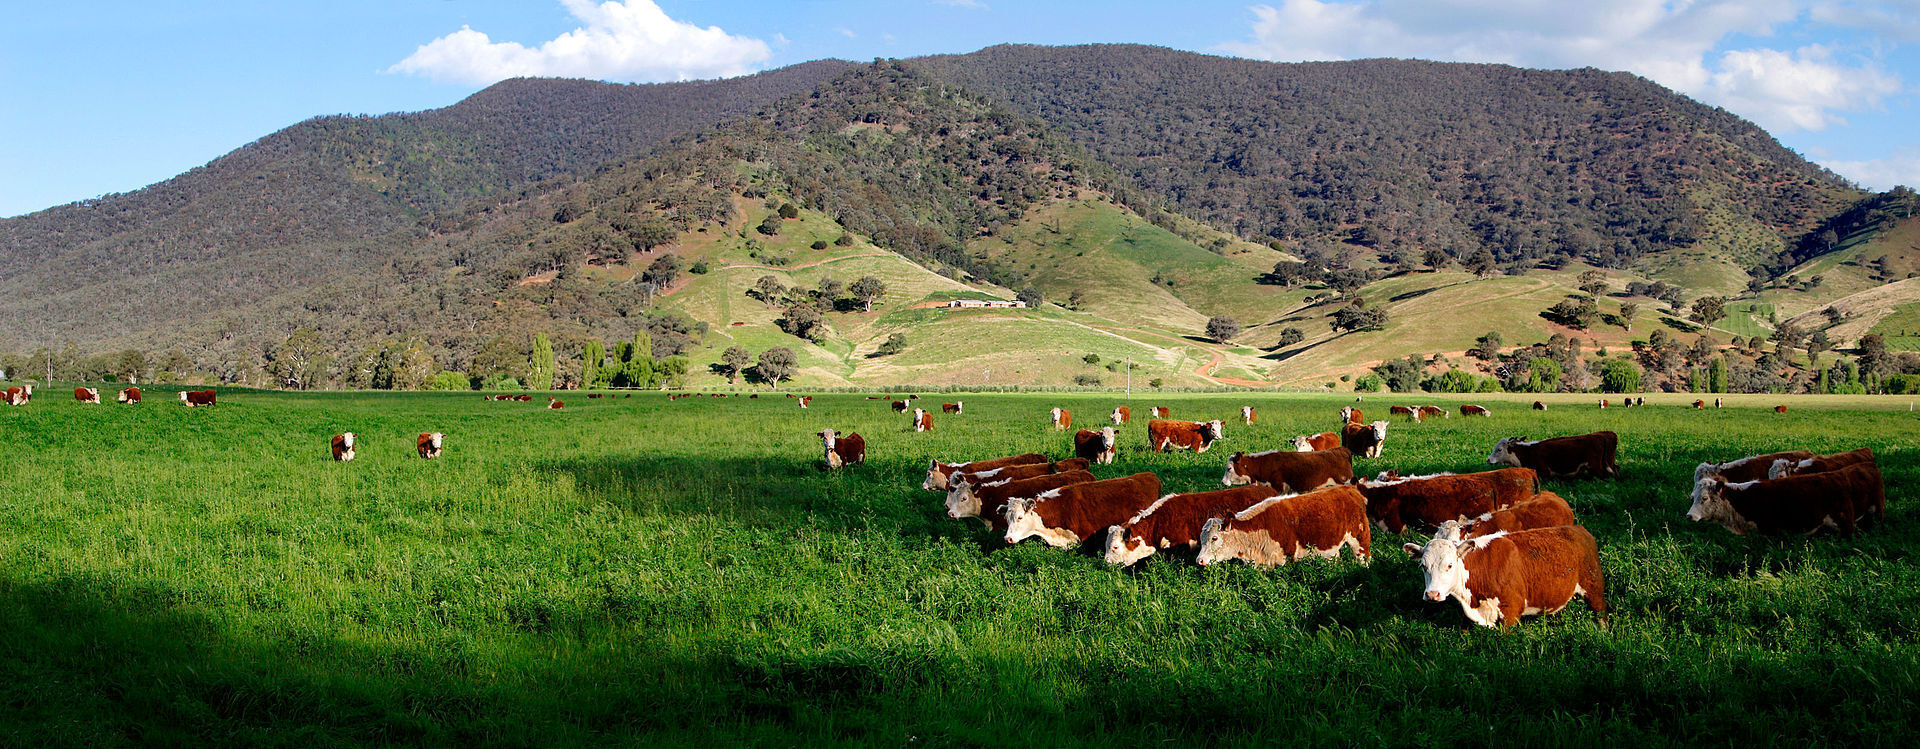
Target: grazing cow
1718, 402
128, 395
596, 396
1017, 472
1698, 404
1165, 436
529, 398
1351, 415
1468, 409
1561, 456
198, 397
1121, 415
1504, 576
1062, 418
1292, 472
1801, 503
755, 396
1175, 521
1365, 440
556, 404
922, 421
843, 450
1780, 409
899, 406
870, 397
1603, 403
1424, 502
1307, 443
1285, 528
952, 408
1246, 412
987, 501
1404, 411
938, 472
86, 395
428, 444
1159, 412
913, 397
804, 401
1538, 406
1745, 469
343, 447
1821, 463
1544, 510
1098, 447
1069, 515
1428, 412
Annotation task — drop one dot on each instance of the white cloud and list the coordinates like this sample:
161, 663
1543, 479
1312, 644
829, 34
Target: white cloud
1902, 168
621, 40
846, 32
1672, 43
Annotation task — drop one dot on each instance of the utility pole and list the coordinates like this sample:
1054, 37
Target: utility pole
1129, 379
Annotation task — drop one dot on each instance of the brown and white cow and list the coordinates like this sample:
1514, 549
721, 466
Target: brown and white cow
1292, 472
523, 398
1246, 414
1307, 443
1016, 472
128, 395
428, 444
1167, 436
86, 394
987, 501
1351, 415
1175, 521
1060, 417
1099, 447
1801, 503
952, 408
1407, 411
1428, 412
1290, 527
596, 396
1424, 502
843, 450
1469, 409
922, 421
17, 396
198, 397
556, 404
1538, 406
1819, 463
1365, 440
1121, 415
1746, 469
899, 406
1544, 510
1160, 412
1699, 404
1501, 577
938, 472
1719, 402
804, 401
1069, 515
1603, 403
1780, 409
1592, 453
343, 447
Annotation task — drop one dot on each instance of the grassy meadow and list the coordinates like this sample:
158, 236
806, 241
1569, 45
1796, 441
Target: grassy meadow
633, 570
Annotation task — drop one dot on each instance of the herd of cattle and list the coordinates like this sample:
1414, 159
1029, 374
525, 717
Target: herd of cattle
20, 395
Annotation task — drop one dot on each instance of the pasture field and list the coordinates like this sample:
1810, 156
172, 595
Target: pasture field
637, 571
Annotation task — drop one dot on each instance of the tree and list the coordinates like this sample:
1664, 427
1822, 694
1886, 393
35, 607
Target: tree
1345, 282
1486, 347
1708, 310
894, 344
789, 210
1627, 312
770, 225
775, 364
1031, 296
803, 320
844, 240
734, 361
1829, 238
1818, 343
1593, 282
1435, 259
651, 234
541, 365
298, 362
1359, 320
1481, 263
1619, 376
663, 271
768, 288
1289, 273
1091, 359
831, 288
449, 380
1222, 328
868, 290
1291, 336
591, 358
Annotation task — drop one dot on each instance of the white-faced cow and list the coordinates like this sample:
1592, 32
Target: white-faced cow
1366, 440
1069, 515
1799, 504
1061, 418
1167, 436
1469, 409
952, 408
1247, 415
1121, 415
1307, 443
922, 421
1544, 510
343, 447
1160, 412
1424, 502
1351, 415
1016, 472
428, 444
1286, 528
1407, 411
1592, 454
1501, 577
198, 397
844, 450
899, 406
938, 472
987, 501
1291, 472
1428, 412
86, 395
1099, 447
1175, 521
128, 396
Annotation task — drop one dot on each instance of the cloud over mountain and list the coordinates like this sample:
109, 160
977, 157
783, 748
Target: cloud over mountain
620, 40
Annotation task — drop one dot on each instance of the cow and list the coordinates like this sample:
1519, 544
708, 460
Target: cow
987, 501
913, 397
922, 421
1098, 447
1699, 404
1820, 463
899, 406
952, 408
18, 396
1544, 510
198, 397
1468, 409
1718, 402
1159, 412
1780, 409
1409, 412
1293, 472
804, 401
1428, 412
1424, 502
1062, 418
596, 396
1746, 469
1121, 415
86, 395
938, 472
1246, 413
1175, 521
1603, 403
1285, 528
343, 447
428, 444
1501, 577
1365, 440
556, 404
1307, 443
843, 451
128, 396
1016, 472
1800, 503
1069, 515
523, 398
1351, 415
1538, 406
1561, 456
755, 396
1165, 436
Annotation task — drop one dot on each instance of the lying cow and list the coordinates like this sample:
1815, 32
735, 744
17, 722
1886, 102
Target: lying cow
1406, 411
86, 395
938, 472
1351, 415
1164, 436
1468, 409
952, 408
1307, 443
1780, 409
1366, 440
804, 401
1285, 528
988, 501
1561, 456
1699, 404
1798, 504
1175, 521
922, 421
1069, 515
1424, 502
898, 406
343, 447
843, 451
1538, 406
428, 444
1292, 472
128, 396
1428, 412
1745, 469
1016, 472
1877, 508
556, 404
1499, 578
17, 396
1121, 415
1099, 447
1060, 417
1544, 510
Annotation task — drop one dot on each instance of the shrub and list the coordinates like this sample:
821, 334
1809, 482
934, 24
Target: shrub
449, 381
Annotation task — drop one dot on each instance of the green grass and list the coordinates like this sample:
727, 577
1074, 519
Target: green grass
632, 569
1901, 328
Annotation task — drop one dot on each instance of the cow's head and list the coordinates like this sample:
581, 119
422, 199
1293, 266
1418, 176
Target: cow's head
1444, 560
936, 479
961, 501
1452, 530
1234, 477
958, 406
1109, 439
183, 396
433, 440
1379, 432
1502, 454
1055, 415
1781, 468
1346, 413
1211, 547
1022, 521
1710, 503
1303, 444
1123, 550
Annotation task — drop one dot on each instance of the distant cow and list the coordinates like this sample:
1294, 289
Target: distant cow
1286, 528
952, 408
1121, 415
1406, 411
1293, 472
1699, 404
1069, 515
556, 404
1061, 418
1780, 409
1538, 406
1246, 413
1365, 440
1718, 402
1307, 443
1351, 415
843, 450
989, 500
1160, 412
128, 395
18, 396
343, 447
1175, 521
86, 395
922, 421
899, 406
1428, 412
1603, 403
428, 444
1468, 409
938, 472
1499, 578
1544, 510
804, 401
1098, 447
1424, 502
1561, 456
596, 396
529, 399
1800, 504
1877, 508
198, 397
1166, 436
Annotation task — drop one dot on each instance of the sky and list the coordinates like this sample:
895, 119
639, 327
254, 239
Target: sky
112, 95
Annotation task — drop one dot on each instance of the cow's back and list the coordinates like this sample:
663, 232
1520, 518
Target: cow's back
1177, 519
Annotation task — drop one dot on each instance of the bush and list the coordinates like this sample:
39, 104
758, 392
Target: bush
818, 244
699, 268
1369, 383
1086, 380
450, 381
845, 240
500, 382
1619, 376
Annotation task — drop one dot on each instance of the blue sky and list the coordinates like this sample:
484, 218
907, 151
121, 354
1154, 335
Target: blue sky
111, 96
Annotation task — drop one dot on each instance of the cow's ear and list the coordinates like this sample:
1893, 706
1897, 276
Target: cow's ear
1413, 549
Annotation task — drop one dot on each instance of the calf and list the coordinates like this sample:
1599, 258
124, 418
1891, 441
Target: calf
1821, 463
922, 421
843, 451
556, 404
1424, 502
1801, 503
1098, 447
1176, 520
899, 406
86, 395
1246, 413
1307, 443
1501, 577
1538, 406
1428, 412
1544, 510
1121, 415
1062, 418
1017, 472
1293, 472
128, 395
1367, 440
198, 397
1066, 516
952, 408
1282, 529
428, 444
1403, 411
343, 447
938, 472
988, 501
1160, 412
1468, 409
1561, 456
1164, 436
804, 401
